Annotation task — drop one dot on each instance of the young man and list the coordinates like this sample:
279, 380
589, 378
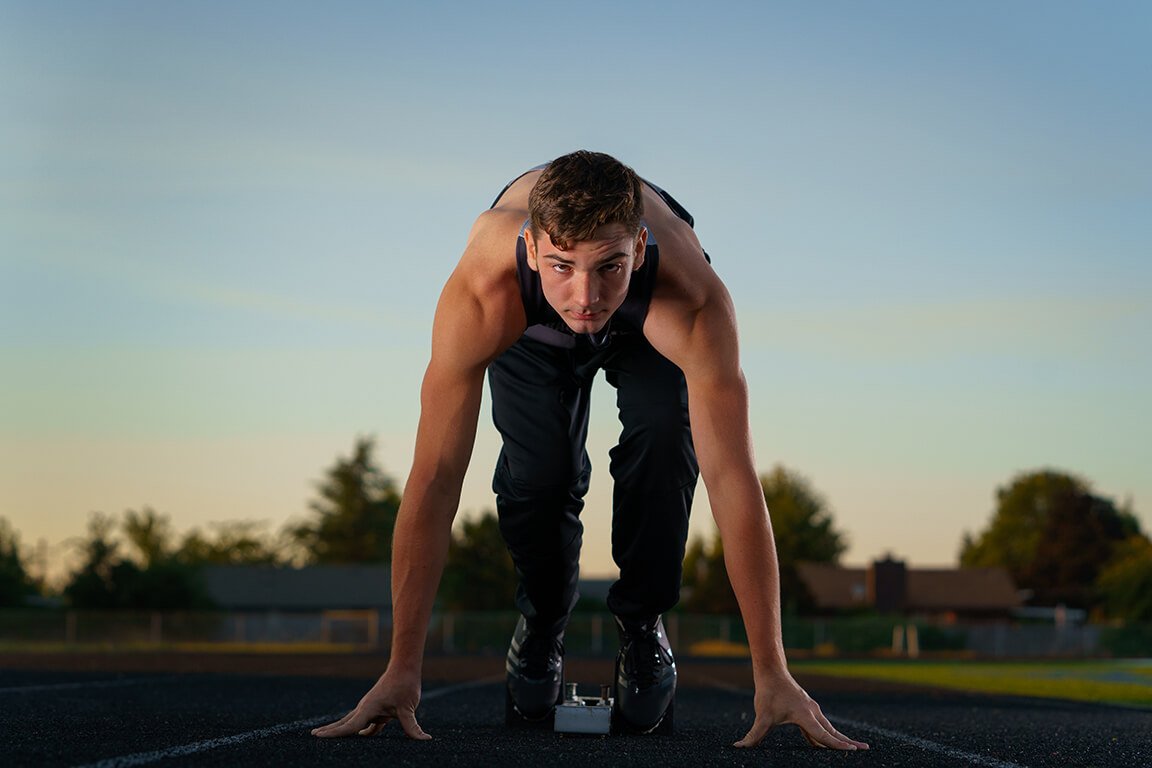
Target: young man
581, 266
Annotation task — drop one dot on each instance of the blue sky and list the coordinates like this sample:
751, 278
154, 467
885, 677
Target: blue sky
223, 229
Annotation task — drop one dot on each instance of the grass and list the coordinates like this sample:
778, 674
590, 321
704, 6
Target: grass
1123, 682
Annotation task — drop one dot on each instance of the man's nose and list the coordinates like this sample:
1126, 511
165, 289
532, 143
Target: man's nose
586, 289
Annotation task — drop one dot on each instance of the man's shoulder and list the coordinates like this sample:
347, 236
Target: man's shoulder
494, 233
503, 220
480, 310
691, 320
486, 273
685, 277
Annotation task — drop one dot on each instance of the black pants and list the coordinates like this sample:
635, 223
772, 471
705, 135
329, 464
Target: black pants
540, 406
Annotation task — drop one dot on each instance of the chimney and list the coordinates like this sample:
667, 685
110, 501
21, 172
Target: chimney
888, 585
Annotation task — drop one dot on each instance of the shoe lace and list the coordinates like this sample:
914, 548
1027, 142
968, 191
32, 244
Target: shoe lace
538, 652
644, 657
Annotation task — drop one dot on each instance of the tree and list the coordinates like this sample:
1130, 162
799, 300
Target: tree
156, 573
15, 585
803, 529
159, 579
155, 580
479, 574
1053, 535
150, 533
92, 585
355, 513
707, 588
236, 542
1125, 584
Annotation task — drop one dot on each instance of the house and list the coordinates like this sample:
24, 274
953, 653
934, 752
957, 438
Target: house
311, 589
325, 588
889, 586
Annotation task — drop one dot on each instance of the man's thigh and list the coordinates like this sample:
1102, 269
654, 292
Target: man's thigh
540, 408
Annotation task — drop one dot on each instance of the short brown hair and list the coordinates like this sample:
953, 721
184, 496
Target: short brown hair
581, 191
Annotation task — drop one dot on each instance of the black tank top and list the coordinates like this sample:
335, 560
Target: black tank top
545, 325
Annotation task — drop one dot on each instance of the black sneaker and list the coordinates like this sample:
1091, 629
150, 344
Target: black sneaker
645, 676
535, 671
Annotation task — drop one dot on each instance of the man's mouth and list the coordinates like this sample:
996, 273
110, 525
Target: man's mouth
585, 315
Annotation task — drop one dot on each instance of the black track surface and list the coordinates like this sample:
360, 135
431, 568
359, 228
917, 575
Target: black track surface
78, 718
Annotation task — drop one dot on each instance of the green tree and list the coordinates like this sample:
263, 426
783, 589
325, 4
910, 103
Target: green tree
355, 513
1053, 535
159, 579
154, 580
705, 582
804, 532
15, 585
479, 574
1125, 584
92, 584
233, 542
150, 533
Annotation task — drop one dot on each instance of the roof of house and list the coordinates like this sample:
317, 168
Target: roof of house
834, 587
931, 589
317, 587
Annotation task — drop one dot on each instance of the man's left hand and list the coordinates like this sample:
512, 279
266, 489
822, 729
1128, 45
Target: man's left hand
781, 700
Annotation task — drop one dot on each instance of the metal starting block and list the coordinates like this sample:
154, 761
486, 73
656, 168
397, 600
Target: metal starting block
584, 714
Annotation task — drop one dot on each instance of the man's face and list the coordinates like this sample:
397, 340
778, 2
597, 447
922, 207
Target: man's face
588, 282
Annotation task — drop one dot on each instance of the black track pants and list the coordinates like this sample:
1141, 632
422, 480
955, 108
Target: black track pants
540, 406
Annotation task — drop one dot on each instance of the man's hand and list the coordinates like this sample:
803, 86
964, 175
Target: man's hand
384, 702
779, 700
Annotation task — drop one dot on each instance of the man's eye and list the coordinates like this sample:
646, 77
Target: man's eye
561, 268
610, 268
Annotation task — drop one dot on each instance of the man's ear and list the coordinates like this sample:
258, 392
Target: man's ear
530, 246
640, 247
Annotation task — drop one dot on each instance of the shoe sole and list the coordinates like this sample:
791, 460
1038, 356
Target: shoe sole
665, 726
513, 718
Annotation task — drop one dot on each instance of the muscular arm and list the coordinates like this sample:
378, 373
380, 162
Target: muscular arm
449, 408
701, 340
478, 316
692, 323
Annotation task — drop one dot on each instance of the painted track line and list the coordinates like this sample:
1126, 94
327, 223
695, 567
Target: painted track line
925, 744
928, 745
143, 758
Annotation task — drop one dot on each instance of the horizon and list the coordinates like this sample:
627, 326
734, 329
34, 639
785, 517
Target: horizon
67, 555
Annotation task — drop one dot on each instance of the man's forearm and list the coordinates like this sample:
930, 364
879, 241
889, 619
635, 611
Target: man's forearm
719, 408
419, 551
750, 558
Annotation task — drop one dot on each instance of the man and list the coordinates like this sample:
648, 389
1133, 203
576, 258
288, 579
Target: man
580, 266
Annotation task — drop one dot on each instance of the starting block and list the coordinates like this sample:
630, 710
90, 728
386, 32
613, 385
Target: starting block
584, 714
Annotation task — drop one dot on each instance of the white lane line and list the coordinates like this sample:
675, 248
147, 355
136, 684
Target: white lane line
89, 684
143, 758
928, 745
925, 744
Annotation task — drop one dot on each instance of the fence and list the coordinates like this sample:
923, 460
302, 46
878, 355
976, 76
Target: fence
588, 634
119, 628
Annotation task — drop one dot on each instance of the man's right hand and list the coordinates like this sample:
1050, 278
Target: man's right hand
385, 701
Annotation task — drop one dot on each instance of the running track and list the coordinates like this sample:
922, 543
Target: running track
168, 711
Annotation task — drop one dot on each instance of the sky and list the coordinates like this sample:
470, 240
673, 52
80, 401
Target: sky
224, 227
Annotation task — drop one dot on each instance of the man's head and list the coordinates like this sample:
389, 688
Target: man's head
580, 192
585, 237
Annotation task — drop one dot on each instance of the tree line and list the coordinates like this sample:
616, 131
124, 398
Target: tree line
1060, 541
